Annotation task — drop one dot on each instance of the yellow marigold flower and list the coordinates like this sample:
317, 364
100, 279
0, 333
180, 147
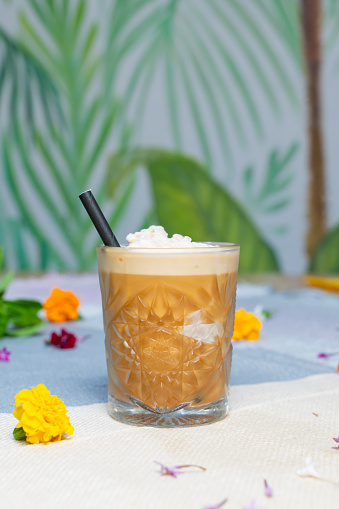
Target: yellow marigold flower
42, 417
246, 326
61, 306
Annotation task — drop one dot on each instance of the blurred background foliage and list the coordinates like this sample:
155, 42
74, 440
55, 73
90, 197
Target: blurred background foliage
203, 104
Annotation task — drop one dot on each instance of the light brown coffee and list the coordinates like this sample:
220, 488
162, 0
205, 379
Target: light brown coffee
168, 336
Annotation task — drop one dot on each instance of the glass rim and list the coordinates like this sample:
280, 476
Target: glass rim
218, 248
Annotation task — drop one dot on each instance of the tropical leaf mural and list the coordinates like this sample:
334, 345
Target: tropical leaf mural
271, 196
187, 199
69, 155
25, 86
275, 181
181, 39
222, 82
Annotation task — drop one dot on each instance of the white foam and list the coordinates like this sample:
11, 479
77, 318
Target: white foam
173, 258
157, 237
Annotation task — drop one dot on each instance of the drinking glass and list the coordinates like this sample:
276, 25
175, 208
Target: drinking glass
168, 320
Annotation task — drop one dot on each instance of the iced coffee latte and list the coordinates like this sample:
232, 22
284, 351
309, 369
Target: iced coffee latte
168, 307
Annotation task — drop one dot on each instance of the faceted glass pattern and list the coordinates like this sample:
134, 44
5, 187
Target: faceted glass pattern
168, 343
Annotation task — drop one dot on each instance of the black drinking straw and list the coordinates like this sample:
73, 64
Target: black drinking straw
98, 219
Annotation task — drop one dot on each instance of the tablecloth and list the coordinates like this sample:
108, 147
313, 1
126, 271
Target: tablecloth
284, 408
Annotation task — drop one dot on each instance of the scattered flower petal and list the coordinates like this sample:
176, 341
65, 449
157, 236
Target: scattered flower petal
246, 326
337, 441
252, 505
42, 417
309, 470
168, 470
174, 471
61, 306
64, 340
223, 502
4, 354
267, 489
324, 355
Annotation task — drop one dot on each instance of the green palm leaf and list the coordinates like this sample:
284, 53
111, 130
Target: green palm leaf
28, 217
205, 80
325, 259
71, 157
188, 200
270, 197
29, 86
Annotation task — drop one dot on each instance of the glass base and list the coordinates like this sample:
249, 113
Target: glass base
139, 414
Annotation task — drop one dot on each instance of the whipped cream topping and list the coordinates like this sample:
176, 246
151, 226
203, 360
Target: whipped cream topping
157, 237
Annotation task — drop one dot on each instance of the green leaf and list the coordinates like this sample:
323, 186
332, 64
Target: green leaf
270, 198
325, 260
20, 199
23, 72
276, 168
212, 100
196, 114
267, 313
79, 17
5, 281
233, 67
26, 331
101, 139
251, 55
26, 306
275, 207
253, 30
19, 434
90, 40
17, 229
25, 320
122, 201
188, 201
20, 317
4, 319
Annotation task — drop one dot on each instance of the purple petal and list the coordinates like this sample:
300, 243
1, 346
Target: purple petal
324, 355
4, 355
336, 440
251, 506
335, 447
267, 489
167, 470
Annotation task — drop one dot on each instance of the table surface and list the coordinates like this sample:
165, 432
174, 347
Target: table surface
284, 408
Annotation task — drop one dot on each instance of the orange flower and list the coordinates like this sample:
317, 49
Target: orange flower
246, 326
61, 306
330, 284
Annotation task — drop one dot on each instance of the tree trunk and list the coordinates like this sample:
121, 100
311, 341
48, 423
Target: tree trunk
310, 13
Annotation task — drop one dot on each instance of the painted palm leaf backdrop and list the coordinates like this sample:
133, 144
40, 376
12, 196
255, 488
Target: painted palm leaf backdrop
86, 84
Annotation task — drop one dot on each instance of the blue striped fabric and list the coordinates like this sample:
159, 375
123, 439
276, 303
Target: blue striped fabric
303, 324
